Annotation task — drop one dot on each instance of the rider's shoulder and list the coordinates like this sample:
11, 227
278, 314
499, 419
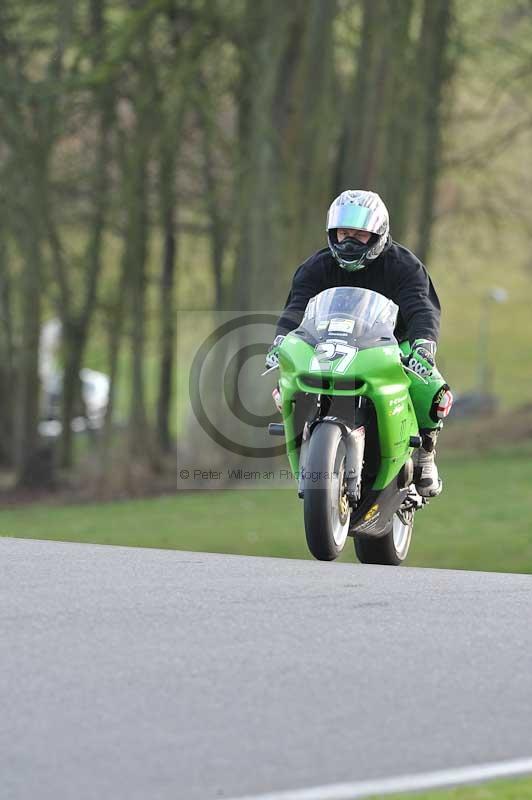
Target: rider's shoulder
318, 262
320, 258
399, 255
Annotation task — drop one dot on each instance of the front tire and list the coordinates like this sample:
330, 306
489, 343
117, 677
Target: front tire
326, 507
393, 547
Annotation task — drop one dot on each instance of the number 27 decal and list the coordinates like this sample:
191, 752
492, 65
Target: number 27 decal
327, 352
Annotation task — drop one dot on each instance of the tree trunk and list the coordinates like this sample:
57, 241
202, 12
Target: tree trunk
167, 304
115, 315
436, 23
32, 471
401, 127
7, 377
137, 233
137, 238
262, 215
76, 325
307, 134
356, 163
214, 202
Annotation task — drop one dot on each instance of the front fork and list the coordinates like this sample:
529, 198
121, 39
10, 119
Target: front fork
354, 439
354, 461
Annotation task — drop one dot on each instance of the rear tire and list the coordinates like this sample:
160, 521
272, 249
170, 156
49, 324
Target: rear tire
326, 508
393, 547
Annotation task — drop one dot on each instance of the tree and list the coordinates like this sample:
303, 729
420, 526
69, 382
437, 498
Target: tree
435, 70
77, 316
7, 353
27, 140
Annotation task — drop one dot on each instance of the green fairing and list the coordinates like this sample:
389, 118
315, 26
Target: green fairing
385, 383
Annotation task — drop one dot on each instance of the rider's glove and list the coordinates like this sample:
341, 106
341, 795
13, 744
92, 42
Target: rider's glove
272, 357
422, 359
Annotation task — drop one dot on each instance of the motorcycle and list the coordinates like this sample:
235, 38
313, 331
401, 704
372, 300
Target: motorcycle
350, 426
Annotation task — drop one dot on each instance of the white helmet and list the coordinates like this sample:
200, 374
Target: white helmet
365, 211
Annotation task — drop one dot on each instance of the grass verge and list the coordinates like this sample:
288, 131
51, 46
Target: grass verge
519, 789
482, 521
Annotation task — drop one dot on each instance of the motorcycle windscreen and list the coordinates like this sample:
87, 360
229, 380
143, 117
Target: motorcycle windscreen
349, 311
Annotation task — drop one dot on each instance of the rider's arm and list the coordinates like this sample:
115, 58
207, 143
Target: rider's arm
416, 297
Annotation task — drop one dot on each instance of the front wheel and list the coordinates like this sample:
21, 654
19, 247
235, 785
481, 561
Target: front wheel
393, 547
326, 507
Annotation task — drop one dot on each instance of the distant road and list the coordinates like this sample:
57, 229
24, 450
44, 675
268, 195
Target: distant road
135, 674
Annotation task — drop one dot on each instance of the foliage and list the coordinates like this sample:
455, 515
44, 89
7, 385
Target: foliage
177, 152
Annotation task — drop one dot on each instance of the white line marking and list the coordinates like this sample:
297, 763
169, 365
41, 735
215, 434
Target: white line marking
403, 783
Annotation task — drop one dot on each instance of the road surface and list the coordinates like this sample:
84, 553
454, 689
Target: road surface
135, 673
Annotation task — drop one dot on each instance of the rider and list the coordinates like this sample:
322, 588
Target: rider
362, 253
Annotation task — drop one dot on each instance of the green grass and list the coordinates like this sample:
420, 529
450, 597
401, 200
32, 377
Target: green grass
520, 789
482, 521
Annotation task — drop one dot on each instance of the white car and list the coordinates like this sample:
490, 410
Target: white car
95, 396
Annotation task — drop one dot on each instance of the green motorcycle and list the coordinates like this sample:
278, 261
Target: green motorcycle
350, 427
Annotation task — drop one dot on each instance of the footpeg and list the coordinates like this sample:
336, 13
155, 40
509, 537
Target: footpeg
276, 429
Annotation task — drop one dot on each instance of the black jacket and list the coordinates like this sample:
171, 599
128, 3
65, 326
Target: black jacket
396, 273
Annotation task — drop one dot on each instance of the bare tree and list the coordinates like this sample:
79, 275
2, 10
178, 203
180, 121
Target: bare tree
77, 316
435, 69
7, 354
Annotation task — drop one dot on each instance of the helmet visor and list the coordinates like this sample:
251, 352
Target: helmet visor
351, 216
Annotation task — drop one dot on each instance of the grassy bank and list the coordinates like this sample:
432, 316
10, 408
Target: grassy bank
520, 789
482, 521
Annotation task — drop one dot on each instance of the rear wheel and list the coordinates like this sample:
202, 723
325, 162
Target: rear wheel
393, 547
326, 507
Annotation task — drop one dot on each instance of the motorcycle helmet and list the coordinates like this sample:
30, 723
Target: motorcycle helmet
363, 211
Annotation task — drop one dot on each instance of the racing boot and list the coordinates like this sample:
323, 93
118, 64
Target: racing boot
426, 476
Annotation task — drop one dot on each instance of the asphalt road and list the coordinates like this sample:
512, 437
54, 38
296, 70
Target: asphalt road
131, 673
